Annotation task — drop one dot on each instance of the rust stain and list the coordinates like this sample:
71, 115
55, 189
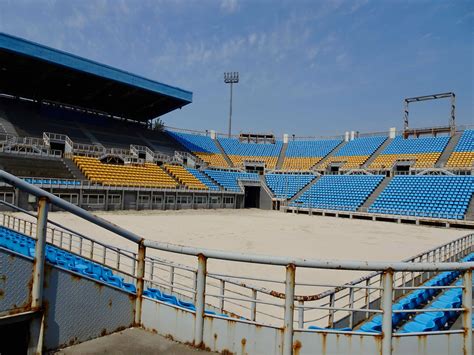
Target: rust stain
226, 352
3, 278
110, 303
243, 342
324, 342
103, 332
2, 294
296, 347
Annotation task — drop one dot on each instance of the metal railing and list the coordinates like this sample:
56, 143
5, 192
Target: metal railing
373, 294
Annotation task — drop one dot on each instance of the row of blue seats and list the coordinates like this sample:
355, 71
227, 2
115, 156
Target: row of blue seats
287, 185
400, 145
426, 196
414, 300
437, 320
24, 245
340, 192
229, 179
204, 179
466, 142
361, 146
235, 147
195, 142
311, 148
52, 182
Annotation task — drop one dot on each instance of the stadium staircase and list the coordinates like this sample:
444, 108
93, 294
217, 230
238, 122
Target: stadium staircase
304, 189
73, 169
443, 159
7, 126
223, 153
88, 134
371, 199
470, 210
377, 152
331, 154
281, 157
265, 187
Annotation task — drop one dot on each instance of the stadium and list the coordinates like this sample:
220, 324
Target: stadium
225, 243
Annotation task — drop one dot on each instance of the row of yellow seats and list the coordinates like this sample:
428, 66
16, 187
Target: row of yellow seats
238, 160
350, 162
185, 177
130, 175
424, 160
461, 160
216, 160
300, 163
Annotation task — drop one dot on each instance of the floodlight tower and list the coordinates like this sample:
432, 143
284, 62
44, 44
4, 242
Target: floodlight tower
231, 78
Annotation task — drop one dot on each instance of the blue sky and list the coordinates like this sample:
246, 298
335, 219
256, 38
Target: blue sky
308, 68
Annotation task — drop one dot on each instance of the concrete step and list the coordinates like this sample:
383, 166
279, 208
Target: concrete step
377, 152
223, 153
443, 159
282, 155
73, 169
371, 199
470, 210
7, 125
304, 189
331, 153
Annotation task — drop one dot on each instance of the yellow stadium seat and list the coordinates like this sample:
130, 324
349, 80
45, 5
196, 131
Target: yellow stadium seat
185, 177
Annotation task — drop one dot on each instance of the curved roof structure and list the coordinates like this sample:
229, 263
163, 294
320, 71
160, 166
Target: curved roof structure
41, 73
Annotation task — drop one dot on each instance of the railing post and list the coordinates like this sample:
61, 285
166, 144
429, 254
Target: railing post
200, 300
387, 282
289, 309
171, 278
253, 306
221, 299
467, 314
35, 345
301, 314
351, 305
140, 282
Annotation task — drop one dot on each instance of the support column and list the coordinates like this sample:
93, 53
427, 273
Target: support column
289, 309
140, 282
387, 284
35, 345
200, 300
467, 314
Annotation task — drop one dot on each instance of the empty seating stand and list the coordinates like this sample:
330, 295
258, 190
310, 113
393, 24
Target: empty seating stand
24, 245
425, 152
339, 192
202, 146
463, 154
229, 179
204, 179
355, 153
303, 155
287, 185
185, 177
240, 152
146, 175
426, 196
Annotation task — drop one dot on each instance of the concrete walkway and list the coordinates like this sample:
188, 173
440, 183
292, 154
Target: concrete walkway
131, 341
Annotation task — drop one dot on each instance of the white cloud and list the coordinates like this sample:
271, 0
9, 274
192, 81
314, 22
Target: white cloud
229, 6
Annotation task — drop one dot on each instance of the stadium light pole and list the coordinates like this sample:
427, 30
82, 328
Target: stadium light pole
231, 78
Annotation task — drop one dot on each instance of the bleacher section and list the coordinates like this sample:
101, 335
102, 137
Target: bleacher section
339, 192
24, 245
201, 146
463, 154
239, 152
425, 298
204, 179
147, 175
303, 155
287, 185
355, 153
424, 151
185, 178
229, 179
426, 196
32, 119
34, 166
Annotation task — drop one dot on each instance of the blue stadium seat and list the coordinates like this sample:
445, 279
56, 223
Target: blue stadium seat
229, 179
287, 185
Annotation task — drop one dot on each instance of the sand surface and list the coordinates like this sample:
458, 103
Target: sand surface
268, 232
